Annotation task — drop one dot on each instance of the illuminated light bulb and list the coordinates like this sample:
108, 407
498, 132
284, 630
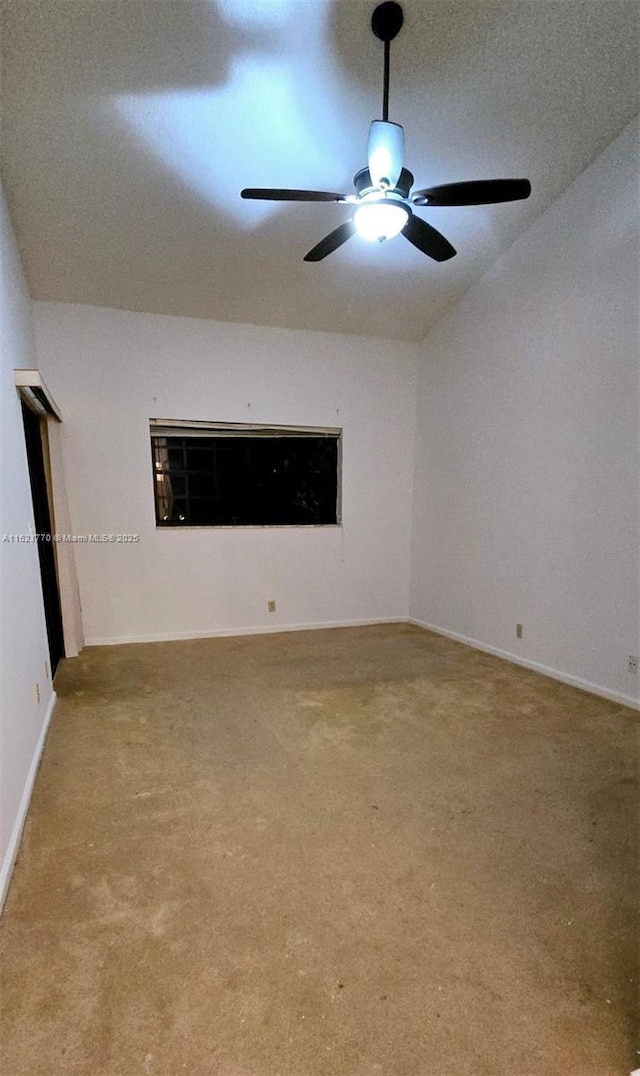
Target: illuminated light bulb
380, 220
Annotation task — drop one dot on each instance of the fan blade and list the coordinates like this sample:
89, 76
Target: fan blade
476, 192
428, 240
385, 152
331, 242
278, 195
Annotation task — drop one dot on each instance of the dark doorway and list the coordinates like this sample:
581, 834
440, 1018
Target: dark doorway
50, 593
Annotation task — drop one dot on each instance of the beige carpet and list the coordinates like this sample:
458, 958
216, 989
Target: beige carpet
364, 852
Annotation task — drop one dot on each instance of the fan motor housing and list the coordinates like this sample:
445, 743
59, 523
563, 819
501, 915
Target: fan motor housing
363, 185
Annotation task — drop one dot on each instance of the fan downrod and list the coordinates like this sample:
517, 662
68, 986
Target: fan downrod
386, 21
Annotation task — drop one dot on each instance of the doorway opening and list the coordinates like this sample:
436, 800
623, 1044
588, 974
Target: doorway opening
42, 517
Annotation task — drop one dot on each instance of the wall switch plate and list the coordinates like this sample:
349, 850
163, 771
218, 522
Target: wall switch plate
632, 665
271, 606
518, 631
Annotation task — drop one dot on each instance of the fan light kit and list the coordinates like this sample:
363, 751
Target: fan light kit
383, 200
380, 219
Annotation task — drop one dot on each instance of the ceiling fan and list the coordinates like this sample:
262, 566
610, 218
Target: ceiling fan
384, 203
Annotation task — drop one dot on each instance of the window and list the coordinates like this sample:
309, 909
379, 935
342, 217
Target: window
210, 475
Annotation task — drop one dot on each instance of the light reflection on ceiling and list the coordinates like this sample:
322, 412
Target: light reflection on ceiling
263, 14
276, 121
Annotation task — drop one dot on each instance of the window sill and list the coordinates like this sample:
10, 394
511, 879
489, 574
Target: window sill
250, 527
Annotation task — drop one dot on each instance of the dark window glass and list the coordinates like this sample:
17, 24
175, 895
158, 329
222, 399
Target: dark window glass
179, 485
198, 459
245, 481
200, 485
176, 455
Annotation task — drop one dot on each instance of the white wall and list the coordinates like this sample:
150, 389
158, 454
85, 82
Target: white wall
110, 371
526, 482
23, 650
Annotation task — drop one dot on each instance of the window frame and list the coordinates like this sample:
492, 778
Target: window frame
185, 428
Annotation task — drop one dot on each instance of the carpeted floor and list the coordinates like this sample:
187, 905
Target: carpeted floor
361, 852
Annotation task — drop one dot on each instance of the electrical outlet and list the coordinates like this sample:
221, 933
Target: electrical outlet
271, 606
632, 664
518, 631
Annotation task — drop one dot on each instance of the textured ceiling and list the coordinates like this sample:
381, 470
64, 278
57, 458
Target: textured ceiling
130, 127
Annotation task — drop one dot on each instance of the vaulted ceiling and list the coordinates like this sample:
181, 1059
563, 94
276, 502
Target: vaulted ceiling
130, 127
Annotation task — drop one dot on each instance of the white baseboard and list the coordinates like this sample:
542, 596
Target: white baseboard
216, 633
16, 833
515, 659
